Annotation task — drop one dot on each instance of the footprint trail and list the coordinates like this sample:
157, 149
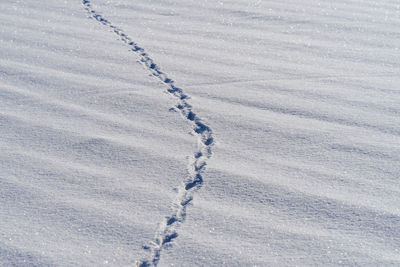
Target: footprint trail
167, 231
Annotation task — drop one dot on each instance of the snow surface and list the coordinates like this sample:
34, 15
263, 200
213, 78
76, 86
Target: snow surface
199, 133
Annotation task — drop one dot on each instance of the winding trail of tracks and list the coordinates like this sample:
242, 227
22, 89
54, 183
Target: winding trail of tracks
167, 231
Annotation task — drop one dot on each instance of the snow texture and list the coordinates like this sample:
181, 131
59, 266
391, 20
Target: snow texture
199, 133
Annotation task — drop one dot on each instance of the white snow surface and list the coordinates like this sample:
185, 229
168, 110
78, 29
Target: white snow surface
98, 158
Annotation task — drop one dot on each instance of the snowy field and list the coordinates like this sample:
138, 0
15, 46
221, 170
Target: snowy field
200, 133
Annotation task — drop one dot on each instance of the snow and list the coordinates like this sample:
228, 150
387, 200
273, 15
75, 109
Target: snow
199, 133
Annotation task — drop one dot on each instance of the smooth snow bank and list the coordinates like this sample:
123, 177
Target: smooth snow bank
302, 98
